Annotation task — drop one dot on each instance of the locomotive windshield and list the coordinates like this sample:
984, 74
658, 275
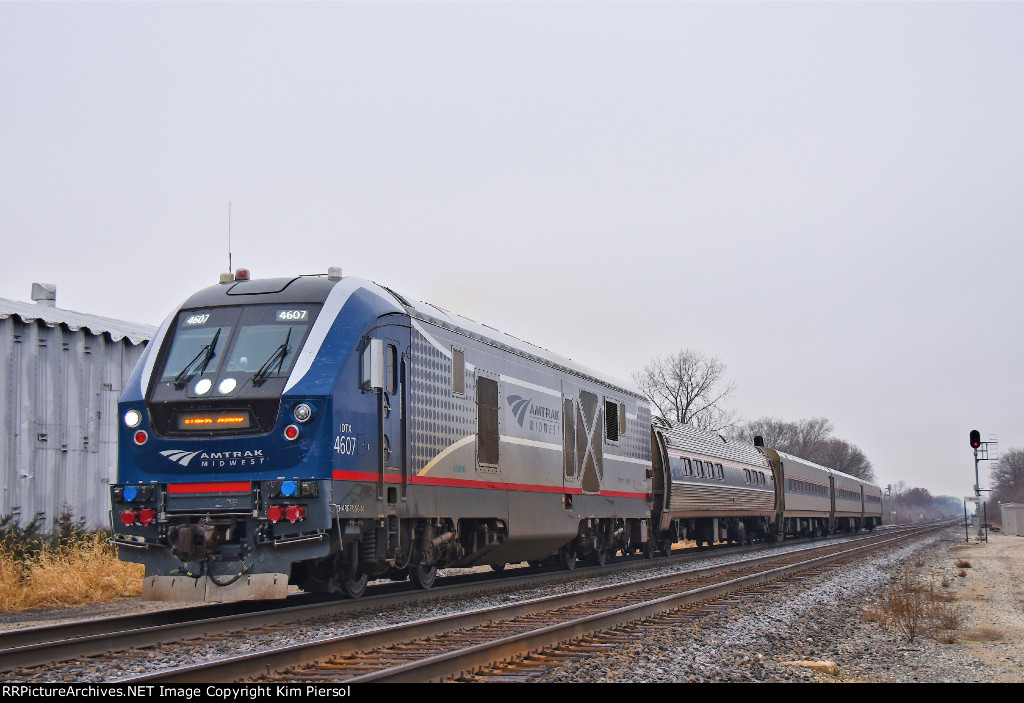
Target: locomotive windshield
264, 349
248, 344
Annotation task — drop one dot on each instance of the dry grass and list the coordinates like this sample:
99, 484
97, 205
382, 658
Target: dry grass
946, 622
85, 572
912, 609
963, 564
940, 596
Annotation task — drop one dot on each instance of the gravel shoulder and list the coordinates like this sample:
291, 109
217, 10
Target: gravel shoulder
825, 622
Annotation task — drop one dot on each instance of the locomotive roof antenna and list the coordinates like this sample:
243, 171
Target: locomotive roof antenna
229, 237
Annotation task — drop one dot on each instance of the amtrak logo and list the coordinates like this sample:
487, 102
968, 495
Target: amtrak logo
519, 407
542, 419
179, 457
252, 457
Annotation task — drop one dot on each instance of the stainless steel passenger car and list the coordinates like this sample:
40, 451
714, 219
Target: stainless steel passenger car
710, 489
807, 504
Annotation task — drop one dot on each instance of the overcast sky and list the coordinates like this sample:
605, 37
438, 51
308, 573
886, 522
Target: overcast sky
826, 196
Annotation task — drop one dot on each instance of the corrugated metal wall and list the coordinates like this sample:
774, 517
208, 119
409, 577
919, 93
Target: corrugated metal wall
59, 391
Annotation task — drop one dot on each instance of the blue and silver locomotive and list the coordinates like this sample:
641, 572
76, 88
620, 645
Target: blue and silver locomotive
324, 431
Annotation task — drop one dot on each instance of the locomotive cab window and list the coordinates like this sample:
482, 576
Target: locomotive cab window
391, 369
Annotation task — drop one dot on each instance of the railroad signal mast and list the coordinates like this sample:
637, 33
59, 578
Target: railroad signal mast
981, 453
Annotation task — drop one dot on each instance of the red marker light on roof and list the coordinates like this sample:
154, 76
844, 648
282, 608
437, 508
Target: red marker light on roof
241, 274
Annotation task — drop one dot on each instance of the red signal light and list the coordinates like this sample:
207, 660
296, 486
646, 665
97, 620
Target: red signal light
975, 439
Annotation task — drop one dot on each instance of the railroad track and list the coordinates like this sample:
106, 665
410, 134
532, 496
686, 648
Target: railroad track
22, 650
459, 646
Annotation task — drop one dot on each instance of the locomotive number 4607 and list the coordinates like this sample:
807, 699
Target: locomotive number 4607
292, 315
344, 445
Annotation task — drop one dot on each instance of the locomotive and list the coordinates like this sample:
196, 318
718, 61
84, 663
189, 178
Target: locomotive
325, 431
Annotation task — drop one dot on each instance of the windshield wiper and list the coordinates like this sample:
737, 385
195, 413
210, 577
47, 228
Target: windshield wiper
199, 363
278, 357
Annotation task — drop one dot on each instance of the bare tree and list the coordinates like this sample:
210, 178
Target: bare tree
775, 432
811, 436
799, 438
1008, 477
842, 456
688, 387
812, 440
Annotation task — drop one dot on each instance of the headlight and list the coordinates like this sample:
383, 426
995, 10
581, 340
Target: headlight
132, 418
302, 412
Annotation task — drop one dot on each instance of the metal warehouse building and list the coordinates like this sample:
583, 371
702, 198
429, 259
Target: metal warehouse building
62, 374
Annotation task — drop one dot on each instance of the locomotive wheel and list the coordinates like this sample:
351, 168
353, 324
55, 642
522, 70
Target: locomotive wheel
665, 546
601, 557
649, 549
355, 588
567, 555
423, 575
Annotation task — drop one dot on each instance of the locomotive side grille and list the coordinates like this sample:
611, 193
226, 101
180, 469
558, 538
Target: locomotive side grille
611, 418
487, 419
458, 371
569, 437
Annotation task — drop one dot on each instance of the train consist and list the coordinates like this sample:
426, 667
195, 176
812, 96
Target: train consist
325, 431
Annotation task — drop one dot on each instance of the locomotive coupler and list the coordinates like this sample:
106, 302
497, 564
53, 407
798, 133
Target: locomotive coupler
193, 542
